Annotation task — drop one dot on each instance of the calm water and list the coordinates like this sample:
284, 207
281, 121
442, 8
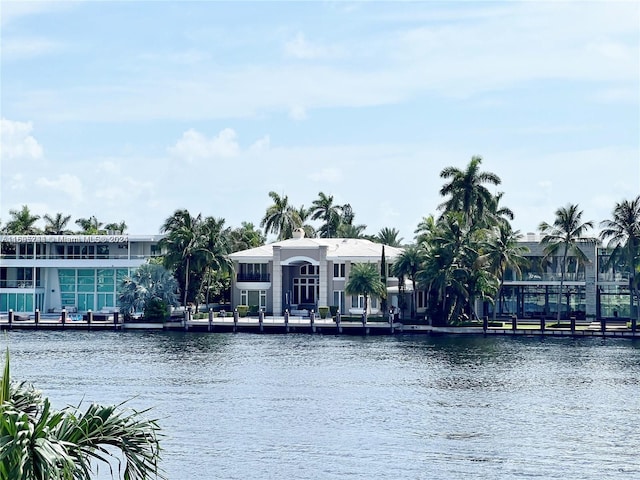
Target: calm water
322, 407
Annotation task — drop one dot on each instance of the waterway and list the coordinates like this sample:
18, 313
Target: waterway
250, 406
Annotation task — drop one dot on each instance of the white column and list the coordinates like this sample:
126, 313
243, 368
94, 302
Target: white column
276, 282
323, 299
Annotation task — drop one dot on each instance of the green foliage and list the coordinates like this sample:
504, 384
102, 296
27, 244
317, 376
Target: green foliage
156, 309
323, 311
39, 443
242, 310
150, 282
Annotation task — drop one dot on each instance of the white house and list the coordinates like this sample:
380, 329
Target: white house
302, 274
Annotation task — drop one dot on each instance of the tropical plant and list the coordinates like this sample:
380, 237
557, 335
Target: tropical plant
389, 236
90, 226
22, 222
117, 228
56, 225
281, 219
364, 279
147, 288
245, 237
407, 265
324, 209
467, 192
503, 251
565, 236
40, 443
347, 230
623, 234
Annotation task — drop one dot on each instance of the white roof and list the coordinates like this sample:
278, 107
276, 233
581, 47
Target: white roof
356, 249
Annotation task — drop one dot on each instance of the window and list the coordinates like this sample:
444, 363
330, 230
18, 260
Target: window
338, 270
254, 297
338, 300
309, 269
26, 250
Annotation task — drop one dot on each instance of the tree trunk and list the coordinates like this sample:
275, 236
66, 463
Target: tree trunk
186, 283
563, 268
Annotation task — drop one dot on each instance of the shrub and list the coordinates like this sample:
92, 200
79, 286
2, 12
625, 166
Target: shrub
253, 309
333, 309
156, 309
323, 311
242, 310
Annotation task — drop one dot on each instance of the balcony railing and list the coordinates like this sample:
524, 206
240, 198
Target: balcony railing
548, 277
253, 277
18, 284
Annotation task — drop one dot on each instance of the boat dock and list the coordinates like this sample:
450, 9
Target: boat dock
293, 324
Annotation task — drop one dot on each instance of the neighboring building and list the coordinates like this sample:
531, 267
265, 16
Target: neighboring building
592, 290
77, 272
302, 274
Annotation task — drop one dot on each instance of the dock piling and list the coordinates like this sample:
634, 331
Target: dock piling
210, 319
312, 321
235, 320
89, 319
10, 318
286, 320
63, 317
36, 317
261, 320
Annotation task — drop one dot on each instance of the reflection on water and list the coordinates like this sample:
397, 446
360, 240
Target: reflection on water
309, 406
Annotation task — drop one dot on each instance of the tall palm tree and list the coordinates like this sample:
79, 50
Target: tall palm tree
182, 245
425, 229
389, 236
22, 222
566, 235
90, 226
364, 279
467, 192
56, 225
623, 233
324, 209
215, 250
281, 219
407, 265
504, 251
305, 215
40, 443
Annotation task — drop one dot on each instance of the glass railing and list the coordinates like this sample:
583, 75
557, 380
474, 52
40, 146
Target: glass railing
548, 277
19, 284
254, 277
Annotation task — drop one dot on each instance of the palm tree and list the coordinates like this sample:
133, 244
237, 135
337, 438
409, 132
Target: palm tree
149, 283
40, 443
364, 279
425, 229
281, 219
56, 225
305, 215
215, 250
181, 245
407, 265
565, 235
324, 209
623, 232
467, 192
389, 236
22, 222
347, 230
118, 228
504, 251
90, 226
245, 237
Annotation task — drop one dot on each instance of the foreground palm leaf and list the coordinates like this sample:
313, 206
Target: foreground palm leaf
38, 443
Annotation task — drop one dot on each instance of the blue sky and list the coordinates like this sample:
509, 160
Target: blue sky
131, 110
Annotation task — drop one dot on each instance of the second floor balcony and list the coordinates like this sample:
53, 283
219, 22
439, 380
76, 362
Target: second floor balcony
253, 277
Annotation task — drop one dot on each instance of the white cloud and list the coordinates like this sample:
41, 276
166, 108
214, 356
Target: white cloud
194, 146
16, 140
261, 145
297, 113
65, 183
329, 175
19, 48
109, 166
300, 47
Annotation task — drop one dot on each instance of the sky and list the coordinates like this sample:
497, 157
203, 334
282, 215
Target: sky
130, 110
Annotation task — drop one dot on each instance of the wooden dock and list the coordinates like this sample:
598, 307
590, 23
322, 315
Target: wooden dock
282, 325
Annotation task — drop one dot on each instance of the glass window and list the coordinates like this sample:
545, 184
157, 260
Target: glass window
338, 270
